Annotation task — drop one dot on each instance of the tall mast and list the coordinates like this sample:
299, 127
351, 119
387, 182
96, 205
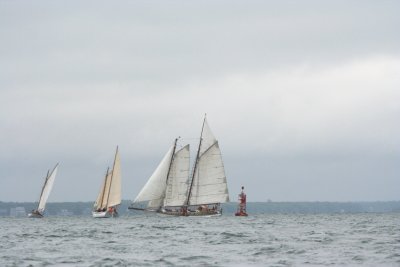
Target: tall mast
172, 158
44, 185
104, 187
170, 165
197, 160
112, 174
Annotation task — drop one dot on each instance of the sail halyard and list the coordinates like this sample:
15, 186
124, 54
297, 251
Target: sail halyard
196, 162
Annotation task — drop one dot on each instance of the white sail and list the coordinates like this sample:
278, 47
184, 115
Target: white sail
177, 184
209, 180
47, 189
207, 138
114, 196
154, 190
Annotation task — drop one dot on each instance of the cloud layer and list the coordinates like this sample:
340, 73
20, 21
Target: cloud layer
303, 97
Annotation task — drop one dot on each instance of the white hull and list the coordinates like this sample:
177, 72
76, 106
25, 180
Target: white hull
104, 214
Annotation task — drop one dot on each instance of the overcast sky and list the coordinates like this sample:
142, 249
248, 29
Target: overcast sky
303, 96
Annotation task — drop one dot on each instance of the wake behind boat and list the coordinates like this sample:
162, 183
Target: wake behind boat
110, 193
44, 194
171, 191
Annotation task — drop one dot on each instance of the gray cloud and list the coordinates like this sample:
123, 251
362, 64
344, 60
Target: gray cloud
303, 96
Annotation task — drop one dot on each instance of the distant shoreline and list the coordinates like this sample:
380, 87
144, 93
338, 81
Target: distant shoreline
20, 209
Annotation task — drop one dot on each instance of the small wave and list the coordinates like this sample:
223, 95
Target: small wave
358, 258
266, 250
164, 227
235, 235
196, 257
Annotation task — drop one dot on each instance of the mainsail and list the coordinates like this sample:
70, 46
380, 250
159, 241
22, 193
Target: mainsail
154, 189
208, 184
177, 184
48, 185
209, 180
110, 192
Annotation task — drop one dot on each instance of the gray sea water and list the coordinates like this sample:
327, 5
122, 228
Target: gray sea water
367, 239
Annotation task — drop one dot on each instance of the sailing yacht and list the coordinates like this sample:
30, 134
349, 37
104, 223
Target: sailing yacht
110, 192
170, 190
44, 195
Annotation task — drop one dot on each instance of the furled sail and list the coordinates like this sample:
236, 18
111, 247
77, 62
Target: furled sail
177, 184
209, 180
154, 190
47, 189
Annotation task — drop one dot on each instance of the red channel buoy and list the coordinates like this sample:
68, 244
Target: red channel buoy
241, 209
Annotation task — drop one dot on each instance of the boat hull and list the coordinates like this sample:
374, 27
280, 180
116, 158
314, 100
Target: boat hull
35, 215
104, 214
183, 211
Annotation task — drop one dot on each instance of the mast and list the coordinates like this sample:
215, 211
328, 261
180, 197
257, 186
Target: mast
197, 160
44, 185
104, 187
170, 164
172, 159
112, 174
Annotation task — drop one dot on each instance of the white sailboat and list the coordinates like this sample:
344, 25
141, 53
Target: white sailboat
171, 191
110, 192
44, 195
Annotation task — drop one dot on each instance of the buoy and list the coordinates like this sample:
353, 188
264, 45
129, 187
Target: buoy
241, 209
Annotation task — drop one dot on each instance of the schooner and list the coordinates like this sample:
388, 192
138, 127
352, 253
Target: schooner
44, 195
170, 190
109, 196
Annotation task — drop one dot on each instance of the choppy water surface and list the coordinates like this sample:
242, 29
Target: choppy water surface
151, 239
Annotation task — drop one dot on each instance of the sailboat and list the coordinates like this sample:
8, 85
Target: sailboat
170, 190
44, 195
110, 192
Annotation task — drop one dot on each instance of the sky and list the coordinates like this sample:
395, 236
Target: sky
303, 96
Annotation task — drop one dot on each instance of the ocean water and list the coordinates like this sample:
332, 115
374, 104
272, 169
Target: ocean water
366, 239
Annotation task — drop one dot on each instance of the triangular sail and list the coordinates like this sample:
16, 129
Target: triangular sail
209, 181
114, 196
177, 184
101, 200
207, 138
47, 189
154, 190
